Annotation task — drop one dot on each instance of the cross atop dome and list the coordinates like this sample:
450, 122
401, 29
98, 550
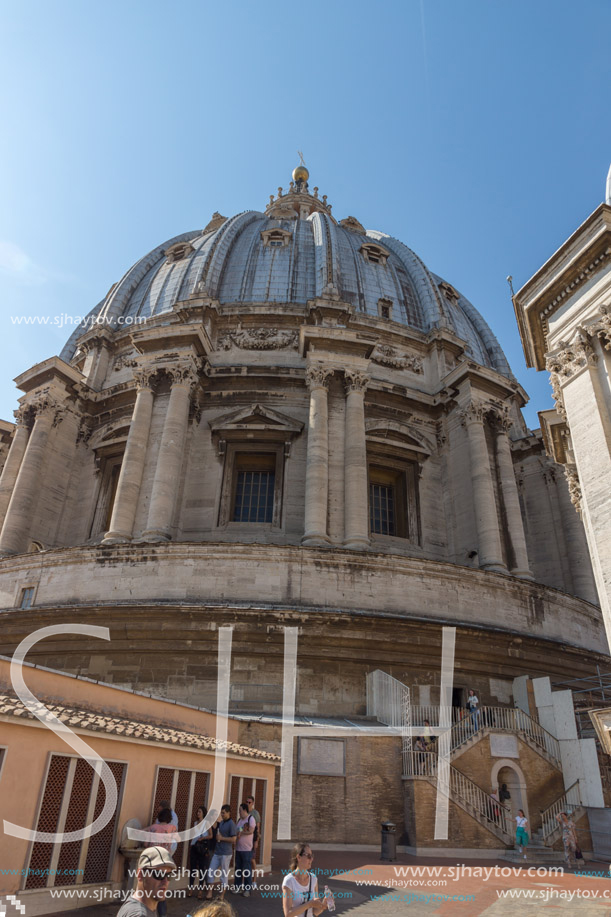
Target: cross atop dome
297, 203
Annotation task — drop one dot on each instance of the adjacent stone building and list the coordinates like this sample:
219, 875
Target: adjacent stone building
284, 421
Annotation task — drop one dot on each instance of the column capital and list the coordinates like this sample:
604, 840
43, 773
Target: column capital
355, 381
473, 413
502, 421
143, 377
318, 376
602, 327
184, 375
45, 404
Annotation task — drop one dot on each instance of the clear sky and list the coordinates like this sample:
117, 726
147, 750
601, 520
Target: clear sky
477, 132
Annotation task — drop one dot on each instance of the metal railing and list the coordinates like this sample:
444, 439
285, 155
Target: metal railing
387, 699
422, 713
488, 811
508, 719
565, 803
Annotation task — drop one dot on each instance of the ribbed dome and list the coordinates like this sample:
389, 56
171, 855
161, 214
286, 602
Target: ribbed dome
257, 258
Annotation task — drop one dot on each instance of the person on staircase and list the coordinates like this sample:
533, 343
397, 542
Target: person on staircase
473, 707
521, 832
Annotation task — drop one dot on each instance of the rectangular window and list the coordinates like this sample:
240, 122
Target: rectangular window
393, 500
27, 597
382, 509
255, 481
73, 797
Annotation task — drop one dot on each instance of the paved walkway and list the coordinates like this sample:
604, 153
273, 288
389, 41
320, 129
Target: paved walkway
427, 886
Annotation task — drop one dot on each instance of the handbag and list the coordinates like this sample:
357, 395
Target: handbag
578, 854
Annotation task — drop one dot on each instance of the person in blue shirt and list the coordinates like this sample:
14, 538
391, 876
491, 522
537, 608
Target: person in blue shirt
226, 836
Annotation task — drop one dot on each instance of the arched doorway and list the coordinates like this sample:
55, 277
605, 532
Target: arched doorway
509, 772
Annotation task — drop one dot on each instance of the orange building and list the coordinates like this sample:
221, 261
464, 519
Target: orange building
156, 749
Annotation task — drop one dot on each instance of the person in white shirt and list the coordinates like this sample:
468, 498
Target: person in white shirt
300, 887
473, 705
521, 831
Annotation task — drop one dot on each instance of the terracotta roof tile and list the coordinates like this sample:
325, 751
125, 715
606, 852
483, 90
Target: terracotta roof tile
10, 705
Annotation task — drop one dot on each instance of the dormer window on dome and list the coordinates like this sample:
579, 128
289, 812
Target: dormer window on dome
178, 251
385, 308
373, 253
275, 238
449, 292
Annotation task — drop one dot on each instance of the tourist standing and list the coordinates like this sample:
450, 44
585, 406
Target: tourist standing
244, 850
250, 800
521, 832
473, 707
569, 837
168, 838
155, 866
300, 887
199, 856
226, 835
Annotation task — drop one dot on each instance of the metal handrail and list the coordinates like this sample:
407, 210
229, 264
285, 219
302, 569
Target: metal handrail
509, 719
488, 810
569, 800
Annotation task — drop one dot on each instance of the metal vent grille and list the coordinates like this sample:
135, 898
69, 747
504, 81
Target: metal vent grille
181, 807
76, 818
101, 845
48, 817
67, 805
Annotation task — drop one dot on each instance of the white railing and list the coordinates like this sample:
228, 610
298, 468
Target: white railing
387, 699
508, 719
488, 811
422, 713
566, 803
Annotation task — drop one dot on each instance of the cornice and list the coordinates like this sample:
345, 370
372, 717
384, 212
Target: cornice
581, 257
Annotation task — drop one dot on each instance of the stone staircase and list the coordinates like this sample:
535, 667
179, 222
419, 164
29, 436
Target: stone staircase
467, 795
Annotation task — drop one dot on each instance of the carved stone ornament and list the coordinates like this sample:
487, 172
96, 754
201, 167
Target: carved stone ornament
183, 374
259, 339
122, 361
473, 413
318, 377
44, 403
502, 420
85, 430
388, 356
570, 358
355, 381
143, 378
602, 327
572, 479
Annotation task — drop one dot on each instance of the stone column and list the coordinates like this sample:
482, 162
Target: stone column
169, 459
579, 382
486, 518
511, 500
356, 504
20, 511
132, 466
317, 462
13, 464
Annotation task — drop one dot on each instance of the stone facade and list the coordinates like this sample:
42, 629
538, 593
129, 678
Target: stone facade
564, 314
284, 421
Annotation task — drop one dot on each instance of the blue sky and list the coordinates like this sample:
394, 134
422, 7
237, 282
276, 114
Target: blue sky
476, 132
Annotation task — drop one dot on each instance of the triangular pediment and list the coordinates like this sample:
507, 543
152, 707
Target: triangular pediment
256, 417
397, 433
